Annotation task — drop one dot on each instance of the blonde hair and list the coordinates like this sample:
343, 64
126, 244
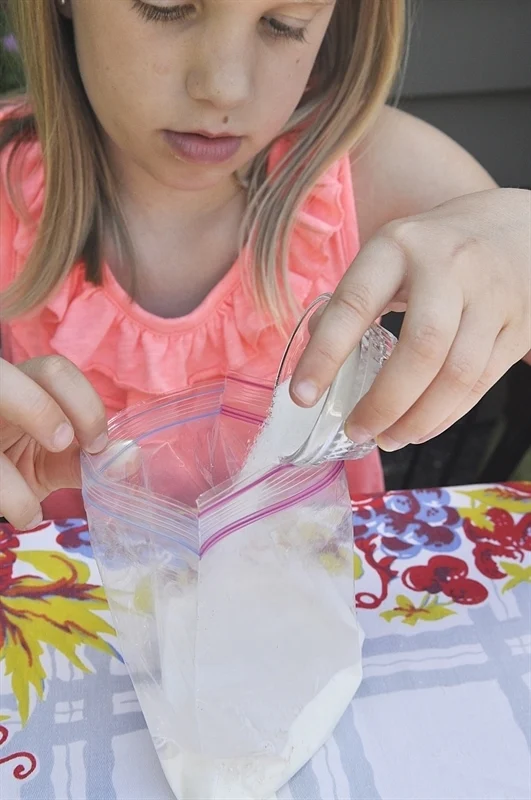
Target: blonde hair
352, 78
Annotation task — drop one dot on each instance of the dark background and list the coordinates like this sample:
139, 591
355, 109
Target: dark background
469, 73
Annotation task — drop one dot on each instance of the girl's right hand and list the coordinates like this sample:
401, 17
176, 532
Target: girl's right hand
48, 412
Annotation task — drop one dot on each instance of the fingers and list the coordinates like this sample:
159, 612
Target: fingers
500, 361
467, 360
364, 292
58, 387
20, 497
18, 504
50, 401
429, 330
26, 405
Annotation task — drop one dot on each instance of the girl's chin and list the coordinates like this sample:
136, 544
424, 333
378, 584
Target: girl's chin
199, 178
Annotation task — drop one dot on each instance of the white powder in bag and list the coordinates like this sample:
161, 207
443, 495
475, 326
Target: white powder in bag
259, 660
260, 653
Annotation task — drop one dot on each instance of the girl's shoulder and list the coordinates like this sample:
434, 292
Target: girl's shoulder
405, 166
21, 190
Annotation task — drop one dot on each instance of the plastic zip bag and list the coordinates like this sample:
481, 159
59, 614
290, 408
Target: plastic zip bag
233, 599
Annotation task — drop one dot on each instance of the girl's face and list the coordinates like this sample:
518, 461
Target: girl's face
165, 75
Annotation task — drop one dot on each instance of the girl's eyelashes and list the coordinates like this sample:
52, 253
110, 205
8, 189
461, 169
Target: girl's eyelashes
274, 27
153, 13
279, 30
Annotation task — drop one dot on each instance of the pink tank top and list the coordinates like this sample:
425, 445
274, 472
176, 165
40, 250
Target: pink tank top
131, 355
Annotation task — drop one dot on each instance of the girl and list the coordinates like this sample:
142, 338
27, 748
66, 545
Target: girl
183, 177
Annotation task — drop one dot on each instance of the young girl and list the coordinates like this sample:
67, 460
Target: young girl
183, 177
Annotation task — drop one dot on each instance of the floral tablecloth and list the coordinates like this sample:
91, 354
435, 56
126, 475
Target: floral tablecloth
443, 713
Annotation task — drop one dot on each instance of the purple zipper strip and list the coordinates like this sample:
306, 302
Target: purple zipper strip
254, 384
244, 416
239, 492
258, 515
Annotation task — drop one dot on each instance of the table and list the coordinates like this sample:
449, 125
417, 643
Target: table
443, 713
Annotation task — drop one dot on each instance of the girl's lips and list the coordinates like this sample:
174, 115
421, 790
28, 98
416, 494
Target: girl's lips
198, 148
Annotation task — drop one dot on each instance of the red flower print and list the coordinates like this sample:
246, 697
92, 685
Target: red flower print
448, 575
508, 539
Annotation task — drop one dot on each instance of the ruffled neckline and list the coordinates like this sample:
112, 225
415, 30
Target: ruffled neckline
171, 325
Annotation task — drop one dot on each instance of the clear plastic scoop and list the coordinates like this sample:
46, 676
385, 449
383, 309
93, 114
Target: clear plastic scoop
327, 440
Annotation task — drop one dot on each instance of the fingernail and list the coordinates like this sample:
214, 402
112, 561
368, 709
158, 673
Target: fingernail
388, 444
430, 436
307, 392
357, 434
35, 522
99, 444
63, 436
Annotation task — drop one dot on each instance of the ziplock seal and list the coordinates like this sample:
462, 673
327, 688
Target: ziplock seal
136, 503
185, 539
244, 488
169, 519
242, 416
305, 494
235, 379
246, 397
165, 410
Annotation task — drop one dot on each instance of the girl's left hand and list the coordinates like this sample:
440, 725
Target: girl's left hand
463, 273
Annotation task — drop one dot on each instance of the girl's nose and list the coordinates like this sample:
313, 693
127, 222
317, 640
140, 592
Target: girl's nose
222, 73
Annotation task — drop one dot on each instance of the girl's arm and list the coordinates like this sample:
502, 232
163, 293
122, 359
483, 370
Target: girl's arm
442, 242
